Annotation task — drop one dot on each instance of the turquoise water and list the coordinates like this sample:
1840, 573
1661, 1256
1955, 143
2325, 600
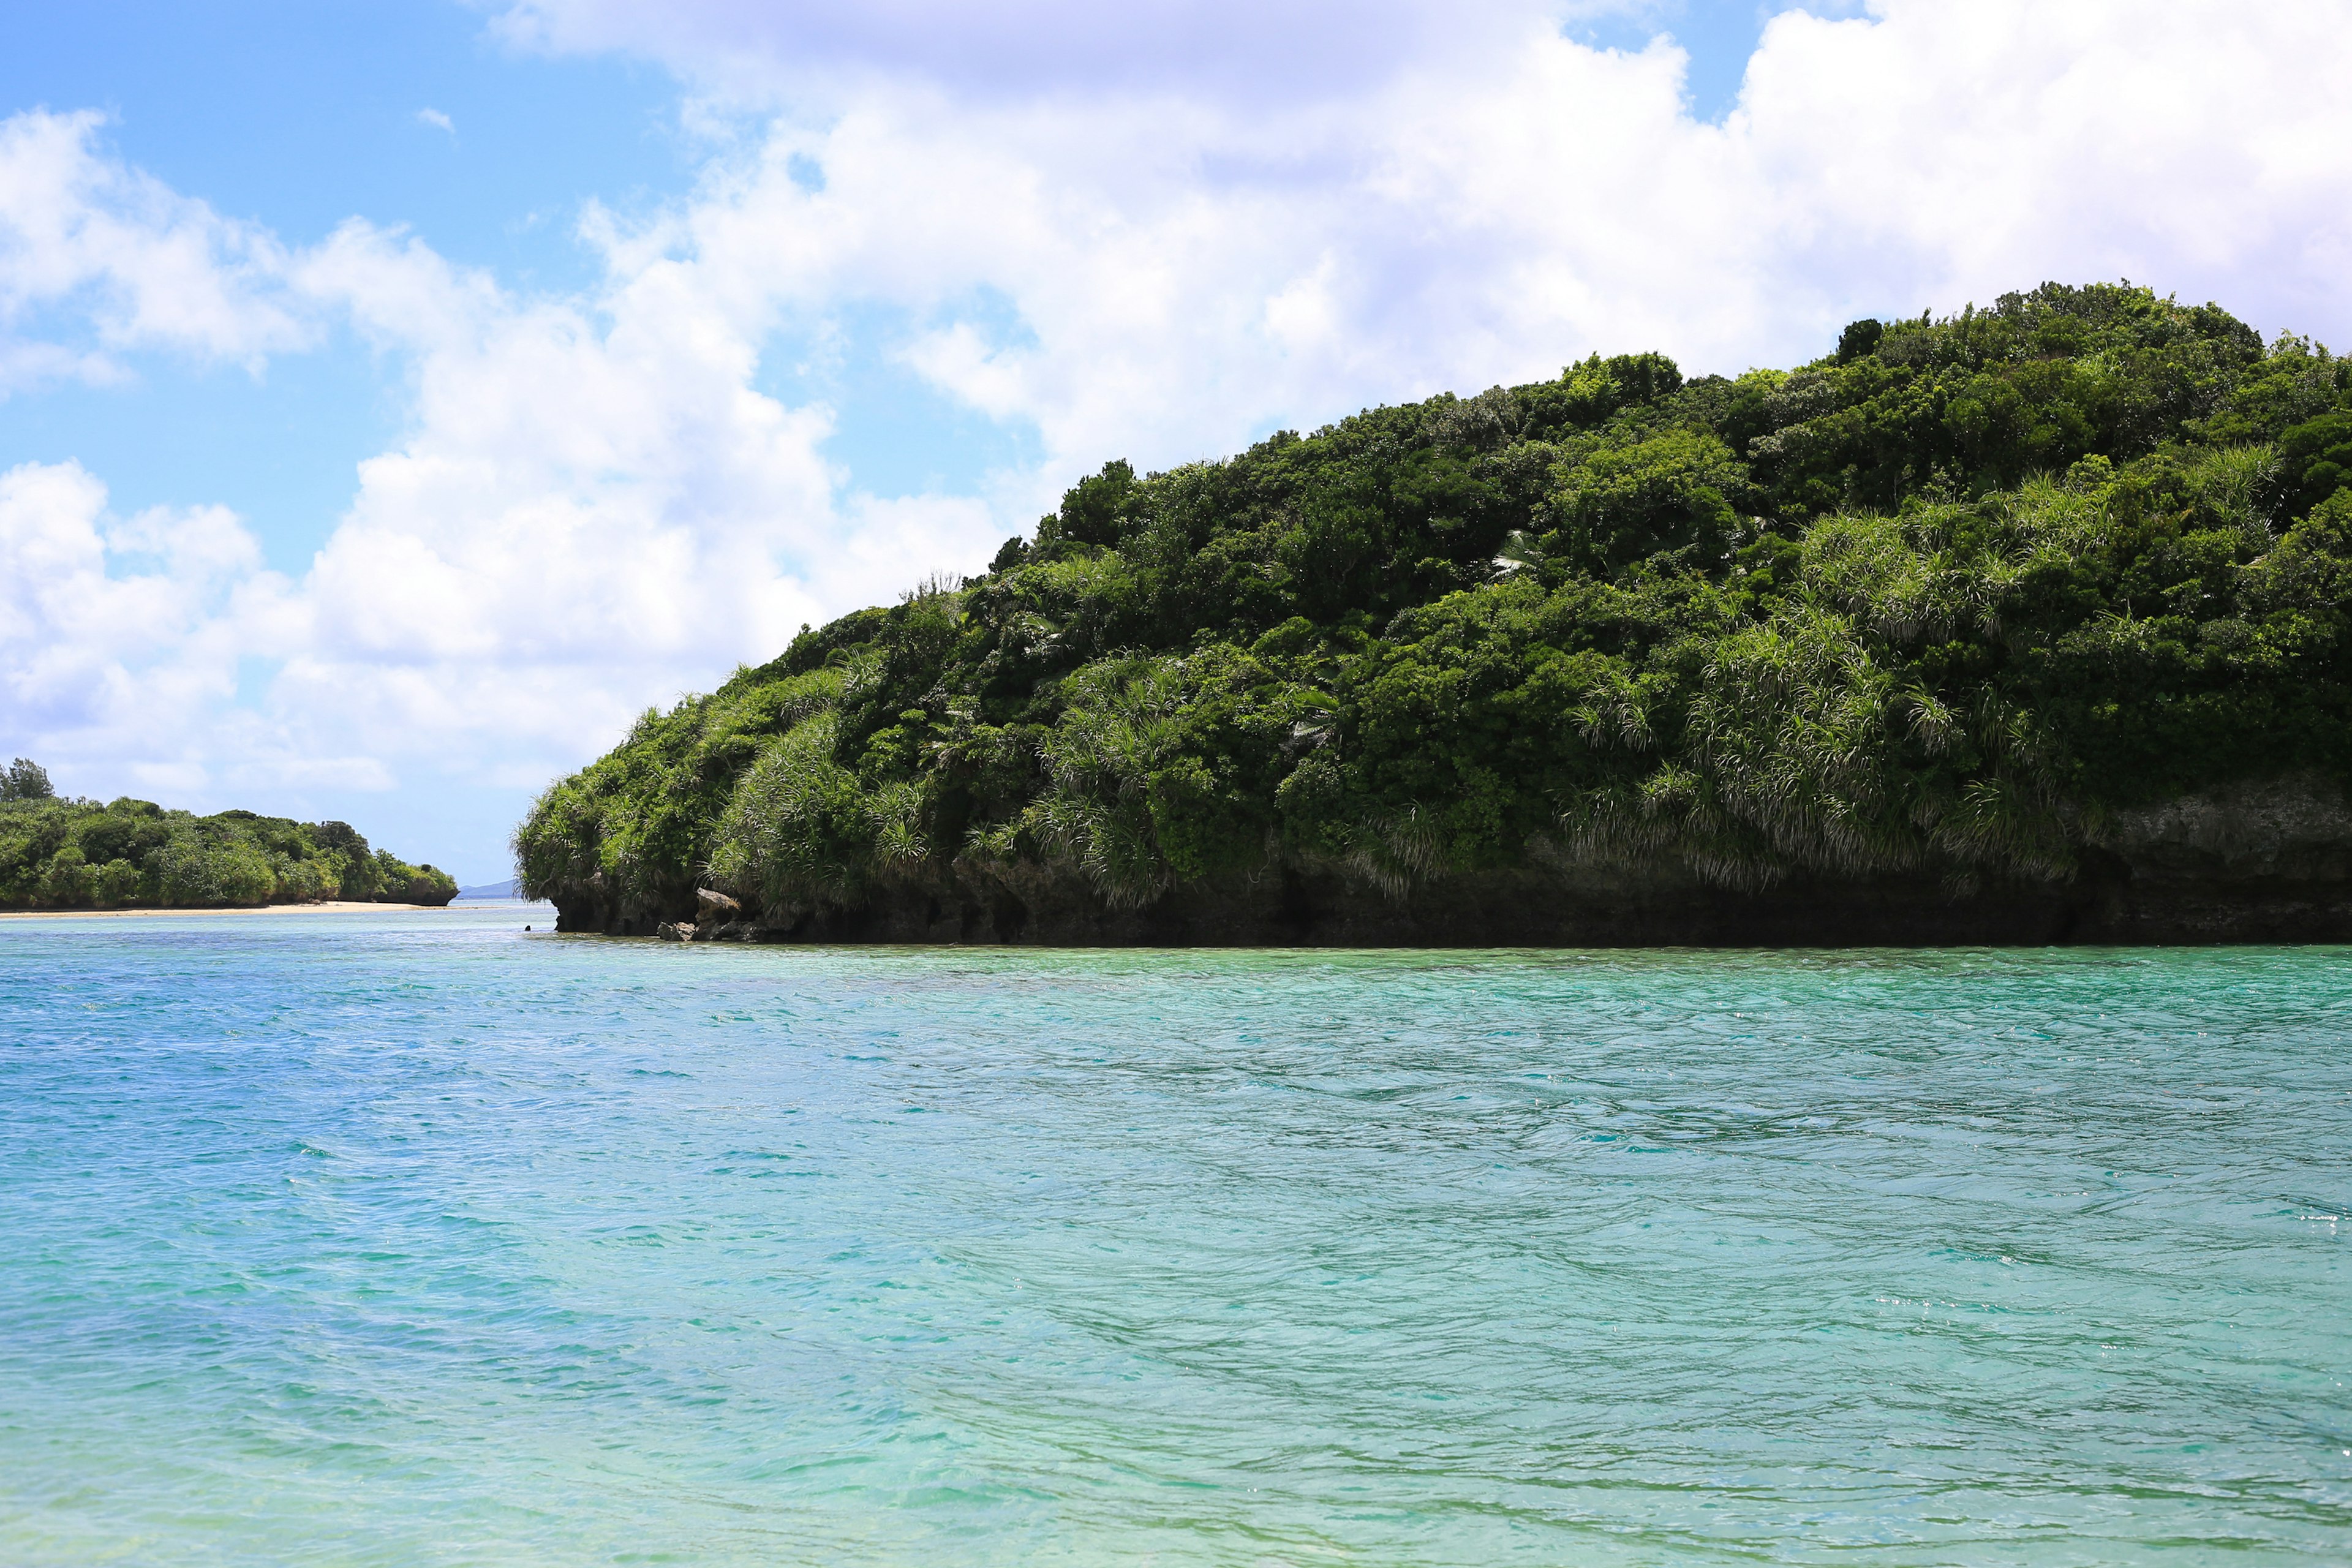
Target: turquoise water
411, 1239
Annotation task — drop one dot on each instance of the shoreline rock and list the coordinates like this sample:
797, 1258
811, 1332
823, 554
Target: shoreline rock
2256, 862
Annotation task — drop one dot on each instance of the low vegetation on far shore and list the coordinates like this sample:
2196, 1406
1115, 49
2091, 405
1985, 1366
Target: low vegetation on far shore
68, 854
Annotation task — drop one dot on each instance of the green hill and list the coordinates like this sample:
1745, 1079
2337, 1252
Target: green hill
60, 854
1942, 607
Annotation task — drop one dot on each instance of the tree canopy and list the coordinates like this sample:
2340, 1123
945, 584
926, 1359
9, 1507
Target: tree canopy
1942, 599
78, 853
25, 780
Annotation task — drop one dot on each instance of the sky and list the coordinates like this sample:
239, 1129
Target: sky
396, 400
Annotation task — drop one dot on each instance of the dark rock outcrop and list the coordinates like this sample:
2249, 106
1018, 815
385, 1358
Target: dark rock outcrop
2254, 863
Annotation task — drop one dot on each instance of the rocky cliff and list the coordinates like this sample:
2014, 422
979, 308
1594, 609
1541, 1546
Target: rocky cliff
2268, 862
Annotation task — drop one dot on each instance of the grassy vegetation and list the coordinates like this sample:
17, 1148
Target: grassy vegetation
78, 853
1942, 600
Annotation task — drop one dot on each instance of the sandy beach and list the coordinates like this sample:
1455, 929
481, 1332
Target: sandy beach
346, 907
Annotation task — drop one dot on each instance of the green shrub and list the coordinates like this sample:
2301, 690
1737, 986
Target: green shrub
1937, 601
302, 881
70, 882
197, 870
799, 827
120, 882
399, 882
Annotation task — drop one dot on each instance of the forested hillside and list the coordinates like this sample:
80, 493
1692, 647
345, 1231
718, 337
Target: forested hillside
78, 853
1938, 604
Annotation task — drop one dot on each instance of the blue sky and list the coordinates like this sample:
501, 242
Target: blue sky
406, 395
298, 116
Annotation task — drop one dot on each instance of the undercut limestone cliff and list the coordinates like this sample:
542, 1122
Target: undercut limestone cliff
2269, 862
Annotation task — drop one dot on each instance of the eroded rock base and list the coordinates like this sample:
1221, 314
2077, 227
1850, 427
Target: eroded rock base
2262, 862
1532, 910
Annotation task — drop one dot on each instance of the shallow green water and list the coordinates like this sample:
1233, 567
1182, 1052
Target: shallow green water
410, 1240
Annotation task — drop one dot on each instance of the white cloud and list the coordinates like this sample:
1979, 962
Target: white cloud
436, 119
595, 506
137, 265
122, 636
1191, 266
592, 508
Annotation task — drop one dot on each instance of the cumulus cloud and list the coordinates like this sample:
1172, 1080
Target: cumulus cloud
135, 264
592, 508
124, 635
583, 492
1151, 232
1189, 266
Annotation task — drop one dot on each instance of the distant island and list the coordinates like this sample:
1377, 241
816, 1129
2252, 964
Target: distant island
2023, 624
66, 854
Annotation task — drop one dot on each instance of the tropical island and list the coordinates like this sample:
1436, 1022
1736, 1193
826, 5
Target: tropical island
2023, 624
58, 853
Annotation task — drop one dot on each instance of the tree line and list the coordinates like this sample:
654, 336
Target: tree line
64, 854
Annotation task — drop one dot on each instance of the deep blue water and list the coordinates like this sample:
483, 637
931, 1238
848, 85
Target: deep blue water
411, 1239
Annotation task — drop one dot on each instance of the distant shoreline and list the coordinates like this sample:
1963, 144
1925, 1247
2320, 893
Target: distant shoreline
332, 906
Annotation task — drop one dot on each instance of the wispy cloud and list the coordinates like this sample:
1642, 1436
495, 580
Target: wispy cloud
436, 119
119, 262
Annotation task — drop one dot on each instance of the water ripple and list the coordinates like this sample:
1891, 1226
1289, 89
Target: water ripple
411, 1239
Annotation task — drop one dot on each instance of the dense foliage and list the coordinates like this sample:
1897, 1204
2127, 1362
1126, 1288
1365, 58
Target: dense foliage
1942, 601
25, 780
78, 853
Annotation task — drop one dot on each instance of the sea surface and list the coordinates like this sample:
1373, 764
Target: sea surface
415, 1239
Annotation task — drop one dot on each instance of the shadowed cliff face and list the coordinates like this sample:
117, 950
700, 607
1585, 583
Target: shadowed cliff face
2266, 862
2286, 831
